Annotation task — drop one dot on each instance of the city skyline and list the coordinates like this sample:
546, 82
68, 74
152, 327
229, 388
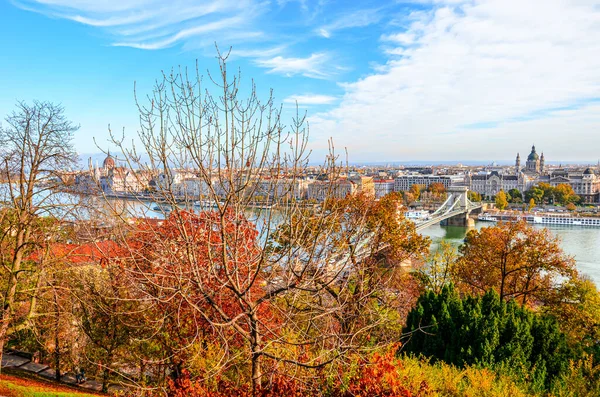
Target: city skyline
438, 81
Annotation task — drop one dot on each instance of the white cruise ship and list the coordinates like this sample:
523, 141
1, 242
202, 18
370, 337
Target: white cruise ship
562, 220
542, 218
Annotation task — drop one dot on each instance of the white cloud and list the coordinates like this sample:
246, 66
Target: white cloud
356, 19
156, 24
193, 24
478, 80
325, 33
310, 99
183, 34
315, 66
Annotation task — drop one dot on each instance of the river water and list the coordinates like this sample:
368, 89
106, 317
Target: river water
583, 243
580, 242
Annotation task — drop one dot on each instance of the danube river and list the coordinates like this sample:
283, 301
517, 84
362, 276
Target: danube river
580, 242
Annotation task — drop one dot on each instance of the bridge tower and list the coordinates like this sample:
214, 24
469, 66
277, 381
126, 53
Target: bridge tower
463, 219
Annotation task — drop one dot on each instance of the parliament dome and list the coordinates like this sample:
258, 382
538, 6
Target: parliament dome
109, 162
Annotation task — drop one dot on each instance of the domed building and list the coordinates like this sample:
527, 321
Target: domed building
585, 183
534, 164
108, 163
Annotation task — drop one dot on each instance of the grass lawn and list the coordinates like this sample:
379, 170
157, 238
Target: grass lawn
19, 384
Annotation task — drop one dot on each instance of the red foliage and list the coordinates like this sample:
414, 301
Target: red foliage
201, 271
376, 377
380, 378
79, 254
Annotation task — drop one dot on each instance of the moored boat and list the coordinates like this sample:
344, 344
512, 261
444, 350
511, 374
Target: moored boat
487, 218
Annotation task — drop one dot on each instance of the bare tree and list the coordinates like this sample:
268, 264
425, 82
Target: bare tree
264, 278
35, 149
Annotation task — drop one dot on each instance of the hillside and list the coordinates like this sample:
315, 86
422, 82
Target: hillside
18, 384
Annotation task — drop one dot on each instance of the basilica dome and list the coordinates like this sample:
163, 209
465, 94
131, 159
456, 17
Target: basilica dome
533, 156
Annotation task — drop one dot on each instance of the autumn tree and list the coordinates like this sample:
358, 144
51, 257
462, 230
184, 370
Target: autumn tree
415, 190
54, 323
382, 241
474, 196
35, 147
501, 200
531, 204
515, 260
549, 192
439, 268
259, 285
576, 305
436, 188
565, 194
108, 318
409, 198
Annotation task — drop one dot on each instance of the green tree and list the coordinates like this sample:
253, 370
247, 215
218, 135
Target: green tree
487, 331
549, 192
536, 194
515, 196
501, 200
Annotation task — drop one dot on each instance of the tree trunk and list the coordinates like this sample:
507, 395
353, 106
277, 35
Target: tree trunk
11, 291
56, 338
105, 375
255, 348
57, 361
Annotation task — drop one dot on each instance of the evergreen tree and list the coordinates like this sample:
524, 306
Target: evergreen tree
489, 332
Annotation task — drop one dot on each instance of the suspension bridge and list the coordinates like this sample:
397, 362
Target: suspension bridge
455, 210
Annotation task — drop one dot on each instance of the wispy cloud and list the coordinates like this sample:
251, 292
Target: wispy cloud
317, 65
478, 63
155, 24
183, 34
356, 19
197, 24
310, 99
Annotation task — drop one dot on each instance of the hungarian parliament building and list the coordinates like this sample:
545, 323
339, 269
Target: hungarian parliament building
585, 183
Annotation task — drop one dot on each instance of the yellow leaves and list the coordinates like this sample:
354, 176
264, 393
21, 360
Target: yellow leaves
514, 259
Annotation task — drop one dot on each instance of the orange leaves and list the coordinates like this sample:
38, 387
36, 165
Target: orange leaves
202, 271
514, 259
80, 254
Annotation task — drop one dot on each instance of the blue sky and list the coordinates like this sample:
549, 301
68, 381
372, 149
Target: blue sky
389, 80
